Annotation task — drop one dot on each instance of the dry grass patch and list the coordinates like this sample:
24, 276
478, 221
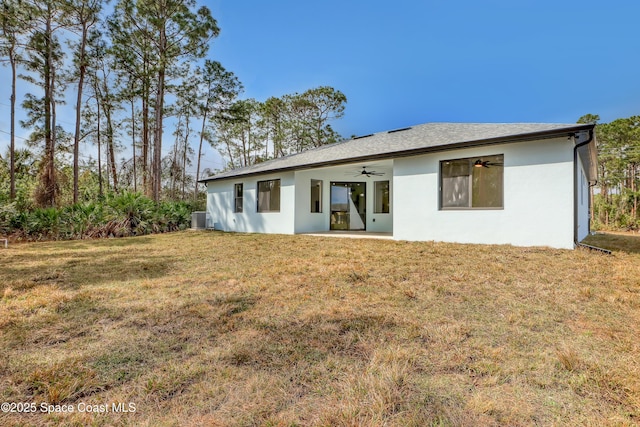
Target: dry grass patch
239, 329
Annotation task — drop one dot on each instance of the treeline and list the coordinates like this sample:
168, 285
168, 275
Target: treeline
617, 193
256, 131
138, 80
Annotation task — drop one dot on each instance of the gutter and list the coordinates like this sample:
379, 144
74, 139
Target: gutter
575, 196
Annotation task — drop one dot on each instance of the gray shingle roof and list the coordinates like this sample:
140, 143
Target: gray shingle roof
417, 139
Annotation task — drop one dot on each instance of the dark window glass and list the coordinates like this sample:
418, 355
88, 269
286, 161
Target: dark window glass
381, 197
238, 200
269, 196
476, 182
316, 195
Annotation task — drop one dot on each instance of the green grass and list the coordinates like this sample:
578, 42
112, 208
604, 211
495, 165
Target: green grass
206, 328
617, 241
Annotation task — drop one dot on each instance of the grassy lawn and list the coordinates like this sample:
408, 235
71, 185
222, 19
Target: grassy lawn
205, 328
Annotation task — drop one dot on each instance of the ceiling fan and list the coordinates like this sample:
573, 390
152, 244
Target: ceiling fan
369, 173
486, 164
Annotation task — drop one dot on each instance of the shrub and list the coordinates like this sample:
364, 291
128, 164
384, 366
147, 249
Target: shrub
9, 218
174, 216
125, 214
129, 214
43, 223
83, 220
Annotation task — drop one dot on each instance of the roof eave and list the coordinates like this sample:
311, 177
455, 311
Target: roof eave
532, 136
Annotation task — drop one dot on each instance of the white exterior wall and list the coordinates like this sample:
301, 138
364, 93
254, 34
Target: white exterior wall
538, 198
306, 221
220, 203
583, 202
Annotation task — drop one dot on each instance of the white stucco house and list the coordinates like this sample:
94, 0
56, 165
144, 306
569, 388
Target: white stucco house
519, 184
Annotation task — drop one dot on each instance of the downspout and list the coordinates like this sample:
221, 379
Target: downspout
575, 196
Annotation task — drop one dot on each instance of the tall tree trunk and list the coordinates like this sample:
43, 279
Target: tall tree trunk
100, 189
12, 150
632, 166
133, 142
49, 180
145, 145
174, 162
245, 150
108, 113
145, 128
157, 153
603, 195
204, 120
76, 137
53, 136
111, 148
184, 155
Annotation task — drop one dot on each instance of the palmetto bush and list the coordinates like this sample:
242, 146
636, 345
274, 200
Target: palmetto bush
172, 216
83, 220
120, 215
129, 214
43, 224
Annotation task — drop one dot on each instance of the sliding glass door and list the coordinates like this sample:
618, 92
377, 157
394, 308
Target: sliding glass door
348, 205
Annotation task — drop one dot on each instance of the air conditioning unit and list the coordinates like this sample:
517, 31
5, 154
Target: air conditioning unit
199, 220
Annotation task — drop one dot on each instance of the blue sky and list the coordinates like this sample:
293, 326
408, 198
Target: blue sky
408, 62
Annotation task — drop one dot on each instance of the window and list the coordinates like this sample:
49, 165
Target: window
237, 191
269, 196
475, 182
316, 195
381, 197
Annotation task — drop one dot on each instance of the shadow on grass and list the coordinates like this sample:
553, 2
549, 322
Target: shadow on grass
116, 267
286, 344
622, 242
116, 242
87, 270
